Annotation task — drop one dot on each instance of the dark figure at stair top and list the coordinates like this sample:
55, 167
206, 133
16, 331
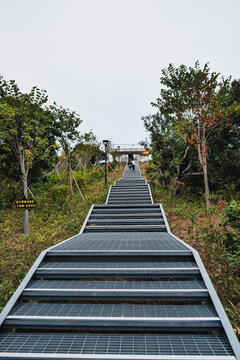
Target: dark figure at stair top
130, 165
133, 165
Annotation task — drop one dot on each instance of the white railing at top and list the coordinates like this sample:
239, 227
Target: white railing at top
128, 147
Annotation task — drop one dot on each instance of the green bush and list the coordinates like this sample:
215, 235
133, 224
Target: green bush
58, 194
91, 177
9, 192
150, 168
94, 176
230, 213
40, 187
79, 178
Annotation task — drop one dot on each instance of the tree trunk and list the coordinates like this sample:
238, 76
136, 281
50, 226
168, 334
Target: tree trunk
161, 174
202, 154
205, 175
25, 190
26, 213
25, 185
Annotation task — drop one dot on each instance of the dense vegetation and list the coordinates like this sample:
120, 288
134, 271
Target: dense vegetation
36, 138
57, 217
195, 141
195, 145
42, 155
195, 133
192, 222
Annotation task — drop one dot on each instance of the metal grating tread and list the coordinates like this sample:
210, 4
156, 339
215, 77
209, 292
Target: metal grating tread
117, 265
115, 191
113, 310
124, 211
136, 227
129, 201
126, 216
141, 206
126, 221
129, 196
124, 228
122, 241
116, 285
129, 193
121, 344
130, 184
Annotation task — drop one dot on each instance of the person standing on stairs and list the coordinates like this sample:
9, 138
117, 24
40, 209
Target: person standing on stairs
133, 165
130, 165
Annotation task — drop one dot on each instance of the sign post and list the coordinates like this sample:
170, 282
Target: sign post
25, 204
25, 222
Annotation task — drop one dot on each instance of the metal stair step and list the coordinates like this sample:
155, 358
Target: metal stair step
132, 199
129, 196
50, 269
114, 310
125, 211
142, 206
83, 289
113, 316
118, 228
134, 191
131, 258
126, 221
170, 324
126, 216
130, 186
129, 193
129, 201
121, 346
138, 242
132, 178
100, 252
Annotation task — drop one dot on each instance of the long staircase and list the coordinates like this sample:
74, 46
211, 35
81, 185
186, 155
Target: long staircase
124, 288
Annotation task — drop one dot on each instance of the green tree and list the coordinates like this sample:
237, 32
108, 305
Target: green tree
24, 123
67, 123
172, 156
193, 98
85, 150
224, 148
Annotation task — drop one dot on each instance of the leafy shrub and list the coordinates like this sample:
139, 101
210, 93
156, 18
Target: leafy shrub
72, 225
9, 191
58, 194
79, 178
177, 186
94, 176
91, 177
230, 221
40, 187
150, 169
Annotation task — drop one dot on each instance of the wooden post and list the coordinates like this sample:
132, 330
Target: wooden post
78, 187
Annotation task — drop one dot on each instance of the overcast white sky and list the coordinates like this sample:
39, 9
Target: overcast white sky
103, 58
